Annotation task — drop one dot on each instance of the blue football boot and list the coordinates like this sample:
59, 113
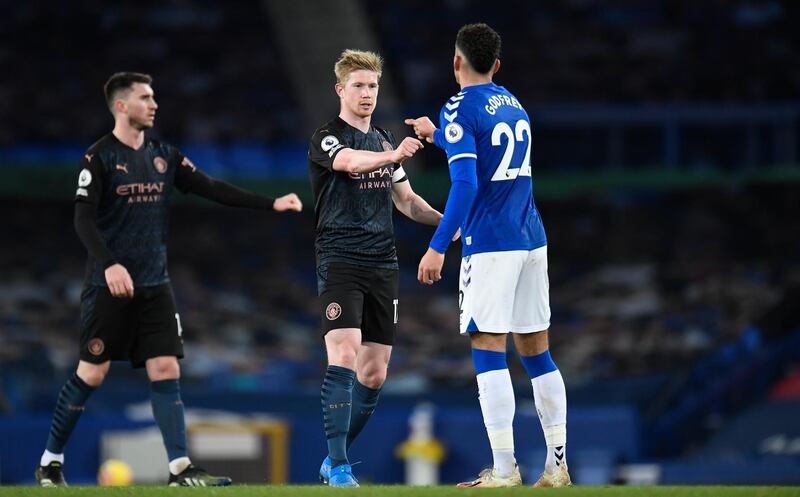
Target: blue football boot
325, 470
342, 476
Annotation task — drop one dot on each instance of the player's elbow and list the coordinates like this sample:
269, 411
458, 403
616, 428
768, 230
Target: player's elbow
353, 167
82, 219
467, 189
77, 223
407, 200
345, 162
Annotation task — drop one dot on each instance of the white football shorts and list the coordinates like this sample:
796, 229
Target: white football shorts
502, 292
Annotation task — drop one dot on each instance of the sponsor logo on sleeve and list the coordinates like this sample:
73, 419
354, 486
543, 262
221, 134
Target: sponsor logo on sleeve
328, 143
334, 149
84, 178
453, 132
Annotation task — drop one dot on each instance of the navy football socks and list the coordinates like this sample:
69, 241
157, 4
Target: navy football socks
337, 399
165, 396
364, 401
69, 408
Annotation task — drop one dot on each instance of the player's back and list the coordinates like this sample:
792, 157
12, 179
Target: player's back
503, 215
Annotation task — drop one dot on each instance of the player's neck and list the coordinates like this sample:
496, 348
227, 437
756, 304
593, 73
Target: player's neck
360, 123
468, 78
129, 135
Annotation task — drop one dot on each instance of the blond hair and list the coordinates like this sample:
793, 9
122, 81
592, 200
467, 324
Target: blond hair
354, 60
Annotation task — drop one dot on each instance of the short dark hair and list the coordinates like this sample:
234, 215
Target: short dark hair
123, 81
480, 44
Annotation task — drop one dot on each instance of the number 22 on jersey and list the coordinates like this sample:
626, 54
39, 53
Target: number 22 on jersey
504, 171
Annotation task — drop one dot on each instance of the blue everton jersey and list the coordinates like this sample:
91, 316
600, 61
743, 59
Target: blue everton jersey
488, 124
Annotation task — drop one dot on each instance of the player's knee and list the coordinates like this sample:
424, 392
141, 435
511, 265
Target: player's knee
344, 356
163, 368
373, 378
532, 343
93, 374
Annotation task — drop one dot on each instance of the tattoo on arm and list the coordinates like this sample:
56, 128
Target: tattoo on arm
423, 213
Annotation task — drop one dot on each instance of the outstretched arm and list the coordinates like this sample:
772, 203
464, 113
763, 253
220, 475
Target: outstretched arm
413, 206
426, 130
225, 193
364, 161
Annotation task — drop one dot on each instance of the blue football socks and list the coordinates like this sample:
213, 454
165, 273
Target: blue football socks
337, 400
364, 401
69, 408
165, 396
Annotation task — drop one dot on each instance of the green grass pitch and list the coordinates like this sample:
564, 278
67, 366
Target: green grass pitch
398, 491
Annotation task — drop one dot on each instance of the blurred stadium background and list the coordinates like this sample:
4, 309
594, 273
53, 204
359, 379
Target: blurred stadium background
665, 167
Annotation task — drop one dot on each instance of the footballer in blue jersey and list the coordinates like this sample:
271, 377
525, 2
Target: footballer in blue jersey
503, 285
487, 123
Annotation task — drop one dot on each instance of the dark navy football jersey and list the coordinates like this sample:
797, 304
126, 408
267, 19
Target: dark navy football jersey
353, 211
132, 190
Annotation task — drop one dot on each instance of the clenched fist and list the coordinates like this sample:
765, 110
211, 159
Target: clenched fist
288, 202
407, 148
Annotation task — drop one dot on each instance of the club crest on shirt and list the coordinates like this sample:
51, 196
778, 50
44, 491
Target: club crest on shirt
333, 311
387, 147
453, 132
160, 164
96, 346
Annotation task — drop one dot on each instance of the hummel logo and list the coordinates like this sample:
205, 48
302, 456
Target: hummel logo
122, 167
466, 279
559, 453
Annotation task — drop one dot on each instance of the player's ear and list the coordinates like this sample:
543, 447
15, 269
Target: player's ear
338, 89
119, 106
496, 67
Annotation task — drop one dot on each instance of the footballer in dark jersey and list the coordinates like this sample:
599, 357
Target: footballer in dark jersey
356, 175
128, 312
